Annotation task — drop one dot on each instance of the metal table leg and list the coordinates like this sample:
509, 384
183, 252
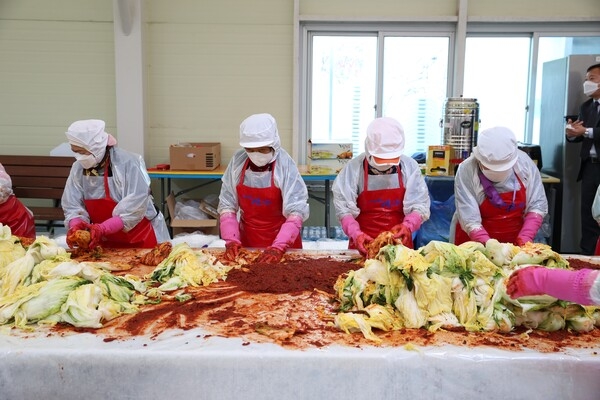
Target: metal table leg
327, 199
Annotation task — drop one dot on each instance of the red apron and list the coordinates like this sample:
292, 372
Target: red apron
501, 224
16, 216
141, 236
262, 213
597, 251
380, 210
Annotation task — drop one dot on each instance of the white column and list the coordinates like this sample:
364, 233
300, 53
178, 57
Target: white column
129, 74
459, 48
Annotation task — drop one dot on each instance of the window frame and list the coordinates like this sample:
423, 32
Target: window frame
534, 30
382, 30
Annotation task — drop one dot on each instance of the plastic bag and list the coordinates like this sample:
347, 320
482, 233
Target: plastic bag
437, 227
545, 231
189, 209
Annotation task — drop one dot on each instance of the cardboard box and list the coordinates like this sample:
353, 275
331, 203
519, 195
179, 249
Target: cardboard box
321, 151
195, 156
326, 166
206, 226
439, 161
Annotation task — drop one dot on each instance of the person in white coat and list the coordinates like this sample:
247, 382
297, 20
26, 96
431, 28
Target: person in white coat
13, 213
499, 192
381, 189
263, 200
108, 192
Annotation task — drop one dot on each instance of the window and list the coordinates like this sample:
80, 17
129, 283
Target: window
343, 80
552, 48
497, 75
349, 72
415, 78
352, 73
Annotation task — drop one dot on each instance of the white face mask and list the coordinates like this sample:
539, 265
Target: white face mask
496, 176
87, 161
380, 167
260, 159
589, 87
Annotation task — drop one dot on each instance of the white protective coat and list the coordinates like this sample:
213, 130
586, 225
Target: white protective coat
129, 186
349, 184
469, 191
5, 185
287, 178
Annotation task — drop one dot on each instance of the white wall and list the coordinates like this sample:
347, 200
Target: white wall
213, 63
208, 64
56, 66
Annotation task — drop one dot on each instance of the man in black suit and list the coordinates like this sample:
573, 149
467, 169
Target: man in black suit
587, 131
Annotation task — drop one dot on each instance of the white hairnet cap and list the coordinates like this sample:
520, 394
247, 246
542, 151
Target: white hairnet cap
90, 135
259, 130
385, 138
496, 148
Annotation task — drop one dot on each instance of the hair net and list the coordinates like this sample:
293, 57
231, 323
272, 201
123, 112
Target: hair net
496, 148
259, 130
385, 138
90, 135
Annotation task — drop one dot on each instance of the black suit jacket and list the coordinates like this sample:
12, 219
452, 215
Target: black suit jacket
589, 115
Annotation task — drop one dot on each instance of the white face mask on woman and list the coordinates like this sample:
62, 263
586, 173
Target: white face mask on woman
260, 159
496, 176
589, 87
87, 161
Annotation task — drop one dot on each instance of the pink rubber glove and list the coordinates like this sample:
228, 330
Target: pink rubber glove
271, 255
108, 227
479, 235
403, 233
361, 243
288, 233
531, 224
563, 284
76, 224
413, 221
351, 228
232, 250
230, 228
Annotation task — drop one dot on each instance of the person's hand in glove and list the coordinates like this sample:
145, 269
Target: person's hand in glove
521, 241
531, 225
402, 232
270, 255
286, 236
108, 227
230, 233
76, 224
351, 227
563, 284
411, 223
362, 241
232, 250
479, 235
